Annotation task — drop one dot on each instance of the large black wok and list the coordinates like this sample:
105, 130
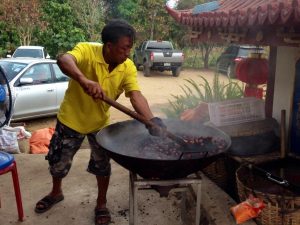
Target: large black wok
124, 142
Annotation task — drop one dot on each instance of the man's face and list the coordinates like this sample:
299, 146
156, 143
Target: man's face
120, 51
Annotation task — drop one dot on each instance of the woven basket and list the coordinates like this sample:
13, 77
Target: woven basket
217, 172
281, 209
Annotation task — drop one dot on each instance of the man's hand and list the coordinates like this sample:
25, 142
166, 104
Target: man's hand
68, 65
92, 88
159, 129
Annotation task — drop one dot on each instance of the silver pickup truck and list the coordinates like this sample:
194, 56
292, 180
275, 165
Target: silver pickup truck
158, 55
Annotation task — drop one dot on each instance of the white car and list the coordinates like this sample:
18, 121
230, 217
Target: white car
30, 51
37, 85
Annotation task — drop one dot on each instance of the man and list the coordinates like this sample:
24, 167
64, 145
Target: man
96, 70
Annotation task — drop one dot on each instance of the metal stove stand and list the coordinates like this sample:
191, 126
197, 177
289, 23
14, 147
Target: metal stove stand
136, 183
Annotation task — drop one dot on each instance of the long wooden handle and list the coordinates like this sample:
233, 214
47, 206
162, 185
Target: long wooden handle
142, 119
127, 111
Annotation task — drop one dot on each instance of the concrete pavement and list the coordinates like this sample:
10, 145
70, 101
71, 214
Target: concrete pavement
80, 193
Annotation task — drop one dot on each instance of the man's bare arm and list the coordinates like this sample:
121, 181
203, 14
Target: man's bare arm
140, 104
68, 65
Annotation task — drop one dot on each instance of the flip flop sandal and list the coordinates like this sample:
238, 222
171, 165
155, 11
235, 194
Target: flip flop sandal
102, 214
47, 202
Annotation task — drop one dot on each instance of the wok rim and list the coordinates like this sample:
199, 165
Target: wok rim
110, 126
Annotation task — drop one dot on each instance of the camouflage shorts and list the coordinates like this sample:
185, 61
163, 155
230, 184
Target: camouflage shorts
63, 146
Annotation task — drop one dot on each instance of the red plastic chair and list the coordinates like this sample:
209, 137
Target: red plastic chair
8, 164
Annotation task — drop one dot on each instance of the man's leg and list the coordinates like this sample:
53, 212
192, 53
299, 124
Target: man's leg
63, 146
99, 165
55, 195
56, 187
102, 214
103, 183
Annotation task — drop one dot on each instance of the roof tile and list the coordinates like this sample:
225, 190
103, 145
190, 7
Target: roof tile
243, 13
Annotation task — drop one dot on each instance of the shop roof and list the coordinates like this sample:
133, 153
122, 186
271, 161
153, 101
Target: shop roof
243, 17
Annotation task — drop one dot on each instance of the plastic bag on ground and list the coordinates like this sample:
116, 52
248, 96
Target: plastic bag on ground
9, 137
20, 131
40, 140
9, 142
247, 210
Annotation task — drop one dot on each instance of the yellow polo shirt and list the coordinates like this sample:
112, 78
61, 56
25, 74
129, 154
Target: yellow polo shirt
80, 111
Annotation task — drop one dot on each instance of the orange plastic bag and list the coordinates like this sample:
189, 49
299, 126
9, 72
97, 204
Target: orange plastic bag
40, 140
247, 210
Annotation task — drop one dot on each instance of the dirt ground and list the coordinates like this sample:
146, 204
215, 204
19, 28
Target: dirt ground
158, 89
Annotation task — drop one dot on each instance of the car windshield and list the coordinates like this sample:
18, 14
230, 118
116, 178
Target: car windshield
11, 69
33, 53
159, 45
245, 52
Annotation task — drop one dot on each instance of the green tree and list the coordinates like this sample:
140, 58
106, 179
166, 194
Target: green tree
90, 16
111, 8
127, 10
8, 39
205, 47
155, 19
22, 17
63, 30
149, 17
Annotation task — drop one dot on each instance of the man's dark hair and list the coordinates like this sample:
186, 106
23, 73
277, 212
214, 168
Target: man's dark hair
115, 29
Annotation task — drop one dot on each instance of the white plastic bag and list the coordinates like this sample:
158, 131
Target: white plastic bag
9, 142
20, 131
9, 137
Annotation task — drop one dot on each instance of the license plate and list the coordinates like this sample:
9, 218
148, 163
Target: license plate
167, 64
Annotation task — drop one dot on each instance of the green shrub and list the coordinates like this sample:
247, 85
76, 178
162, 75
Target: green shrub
193, 57
195, 93
2, 52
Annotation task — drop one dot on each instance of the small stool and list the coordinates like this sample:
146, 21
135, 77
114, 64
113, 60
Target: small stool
8, 164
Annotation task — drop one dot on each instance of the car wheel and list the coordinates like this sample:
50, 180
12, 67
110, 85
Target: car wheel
230, 71
136, 63
146, 70
176, 71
